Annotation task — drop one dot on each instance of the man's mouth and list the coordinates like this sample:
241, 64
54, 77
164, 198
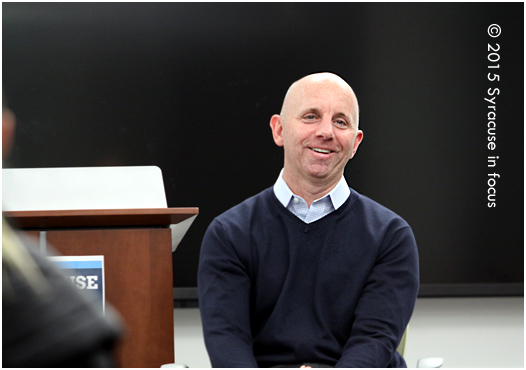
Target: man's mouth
319, 150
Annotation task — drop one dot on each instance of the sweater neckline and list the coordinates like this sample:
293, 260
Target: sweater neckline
344, 209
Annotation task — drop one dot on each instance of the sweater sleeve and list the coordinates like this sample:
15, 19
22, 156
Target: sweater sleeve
385, 306
224, 300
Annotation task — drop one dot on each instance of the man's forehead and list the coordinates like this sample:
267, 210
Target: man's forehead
322, 98
321, 86
323, 79
317, 91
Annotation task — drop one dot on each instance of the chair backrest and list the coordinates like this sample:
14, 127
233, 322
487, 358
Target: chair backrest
401, 346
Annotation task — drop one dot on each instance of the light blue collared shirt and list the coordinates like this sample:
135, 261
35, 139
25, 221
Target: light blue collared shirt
319, 208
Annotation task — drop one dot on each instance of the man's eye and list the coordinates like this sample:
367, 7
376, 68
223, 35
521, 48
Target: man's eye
309, 118
341, 122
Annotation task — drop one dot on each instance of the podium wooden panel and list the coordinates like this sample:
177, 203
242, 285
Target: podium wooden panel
136, 245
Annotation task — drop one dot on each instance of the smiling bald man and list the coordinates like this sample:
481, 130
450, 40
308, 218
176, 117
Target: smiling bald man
309, 272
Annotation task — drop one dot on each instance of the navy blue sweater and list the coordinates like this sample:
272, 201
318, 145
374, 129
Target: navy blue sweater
275, 290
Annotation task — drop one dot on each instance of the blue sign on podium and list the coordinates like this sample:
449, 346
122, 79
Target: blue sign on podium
85, 273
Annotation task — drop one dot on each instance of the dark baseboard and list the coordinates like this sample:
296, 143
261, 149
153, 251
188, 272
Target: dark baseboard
188, 297
471, 290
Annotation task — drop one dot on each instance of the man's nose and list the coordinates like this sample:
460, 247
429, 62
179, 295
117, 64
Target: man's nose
325, 129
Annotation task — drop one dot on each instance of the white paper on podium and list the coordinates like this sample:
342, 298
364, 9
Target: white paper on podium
65, 188
83, 188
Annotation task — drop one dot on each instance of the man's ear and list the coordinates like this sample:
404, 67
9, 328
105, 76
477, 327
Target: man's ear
8, 131
357, 141
276, 125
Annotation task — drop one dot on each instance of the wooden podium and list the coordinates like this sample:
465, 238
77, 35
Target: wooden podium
137, 249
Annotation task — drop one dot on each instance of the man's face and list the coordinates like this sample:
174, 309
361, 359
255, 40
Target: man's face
318, 130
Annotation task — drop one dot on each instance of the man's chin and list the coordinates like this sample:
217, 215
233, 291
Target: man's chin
322, 174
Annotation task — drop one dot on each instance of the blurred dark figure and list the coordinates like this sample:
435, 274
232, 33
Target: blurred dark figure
46, 321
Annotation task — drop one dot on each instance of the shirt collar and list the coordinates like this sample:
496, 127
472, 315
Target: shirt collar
338, 195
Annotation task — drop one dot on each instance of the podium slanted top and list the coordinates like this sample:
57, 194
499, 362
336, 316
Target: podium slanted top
92, 196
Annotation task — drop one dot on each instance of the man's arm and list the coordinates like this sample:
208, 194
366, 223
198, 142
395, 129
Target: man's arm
224, 301
385, 306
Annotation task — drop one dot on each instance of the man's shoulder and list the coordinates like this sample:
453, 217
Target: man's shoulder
255, 204
370, 208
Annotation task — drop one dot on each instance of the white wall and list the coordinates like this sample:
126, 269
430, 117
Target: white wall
189, 344
466, 332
